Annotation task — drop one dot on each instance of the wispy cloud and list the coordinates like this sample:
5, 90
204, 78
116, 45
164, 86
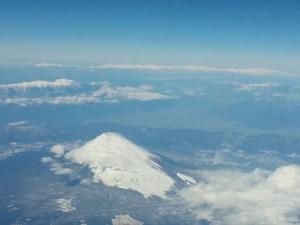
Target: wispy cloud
39, 84
294, 155
189, 68
49, 65
256, 86
258, 197
16, 124
24, 127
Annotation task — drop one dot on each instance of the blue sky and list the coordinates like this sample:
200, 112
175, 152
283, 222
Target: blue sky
204, 32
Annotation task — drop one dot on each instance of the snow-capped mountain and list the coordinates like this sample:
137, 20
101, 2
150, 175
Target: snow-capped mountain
115, 161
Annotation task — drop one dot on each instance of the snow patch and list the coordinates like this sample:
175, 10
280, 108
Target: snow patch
118, 162
189, 180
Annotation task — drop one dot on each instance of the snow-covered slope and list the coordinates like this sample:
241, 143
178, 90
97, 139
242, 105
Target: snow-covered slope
118, 162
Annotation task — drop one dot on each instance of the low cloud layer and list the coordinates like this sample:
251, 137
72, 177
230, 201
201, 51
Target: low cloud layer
235, 197
59, 100
141, 93
190, 68
38, 84
56, 167
105, 93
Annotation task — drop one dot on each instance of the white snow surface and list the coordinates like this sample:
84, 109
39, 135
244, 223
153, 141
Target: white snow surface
115, 161
125, 220
186, 178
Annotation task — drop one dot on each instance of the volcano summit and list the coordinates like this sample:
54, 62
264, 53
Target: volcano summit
115, 161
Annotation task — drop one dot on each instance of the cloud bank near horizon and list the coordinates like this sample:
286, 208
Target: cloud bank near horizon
189, 68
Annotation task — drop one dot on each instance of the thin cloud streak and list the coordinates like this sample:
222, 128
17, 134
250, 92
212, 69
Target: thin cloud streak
49, 65
256, 86
189, 68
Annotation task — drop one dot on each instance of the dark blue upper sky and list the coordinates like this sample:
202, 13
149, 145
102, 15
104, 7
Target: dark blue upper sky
240, 33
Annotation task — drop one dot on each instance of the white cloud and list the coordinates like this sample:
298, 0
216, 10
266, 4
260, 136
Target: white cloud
190, 68
24, 127
56, 167
141, 93
59, 170
59, 100
58, 150
257, 86
107, 93
17, 148
39, 84
235, 197
49, 65
193, 92
253, 71
16, 124
294, 155
133, 67
125, 220
288, 96
47, 160
65, 205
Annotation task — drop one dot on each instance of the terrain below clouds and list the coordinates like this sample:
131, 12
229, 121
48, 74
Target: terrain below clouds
148, 145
